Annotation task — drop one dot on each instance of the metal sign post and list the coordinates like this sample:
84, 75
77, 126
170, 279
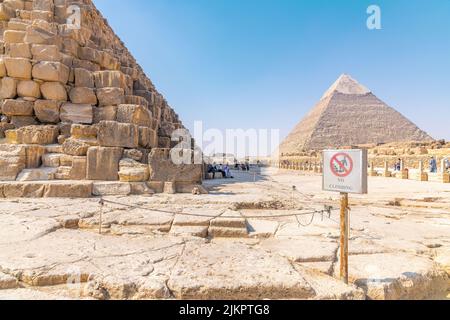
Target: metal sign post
345, 171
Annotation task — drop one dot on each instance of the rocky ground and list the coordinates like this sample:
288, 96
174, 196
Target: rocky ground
241, 241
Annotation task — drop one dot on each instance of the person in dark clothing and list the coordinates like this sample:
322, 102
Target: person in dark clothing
211, 169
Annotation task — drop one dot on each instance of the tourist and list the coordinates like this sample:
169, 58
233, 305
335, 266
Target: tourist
210, 169
447, 164
227, 171
433, 165
398, 165
247, 166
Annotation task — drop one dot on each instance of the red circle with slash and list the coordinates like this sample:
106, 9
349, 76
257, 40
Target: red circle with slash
341, 168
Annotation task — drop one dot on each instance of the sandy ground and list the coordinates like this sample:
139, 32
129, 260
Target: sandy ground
251, 237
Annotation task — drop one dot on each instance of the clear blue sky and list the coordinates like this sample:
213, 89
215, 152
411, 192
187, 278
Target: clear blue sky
265, 63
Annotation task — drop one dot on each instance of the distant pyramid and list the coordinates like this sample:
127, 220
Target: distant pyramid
350, 114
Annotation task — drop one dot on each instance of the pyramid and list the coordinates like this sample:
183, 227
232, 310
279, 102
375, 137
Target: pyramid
350, 114
75, 104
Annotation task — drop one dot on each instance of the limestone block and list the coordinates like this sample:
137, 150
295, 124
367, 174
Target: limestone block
75, 147
111, 189
40, 32
133, 171
17, 107
134, 154
54, 91
148, 138
84, 78
41, 174
5, 126
76, 113
42, 52
51, 71
8, 88
18, 24
47, 111
19, 68
70, 189
28, 88
83, 95
51, 160
24, 190
41, 135
13, 36
12, 161
162, 168
107, 113
90, 54
135, 114
23, 121
78, 170
19, 50
43, 5
34, 155
115, 134
6, 12
105, 79
79, 131
103, 163
2, 68
110, 96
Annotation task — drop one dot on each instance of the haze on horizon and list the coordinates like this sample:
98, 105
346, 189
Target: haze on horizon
265, 64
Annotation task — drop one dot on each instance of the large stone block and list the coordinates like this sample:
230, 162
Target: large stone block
54, 91
110, 96
83, 95
28, 89
51, 71
42, 52
13, 36
34, 155
17, 107
163, 168
19, 68
70, 189
135, 114
19, 50
47, 111
76, 113
84, 78
8, 88
148, 138
12, 161
115, 134
105, 79
75, 147
42, 135
133, 171
103, 163
107, 113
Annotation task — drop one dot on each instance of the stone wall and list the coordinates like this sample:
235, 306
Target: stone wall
75, 104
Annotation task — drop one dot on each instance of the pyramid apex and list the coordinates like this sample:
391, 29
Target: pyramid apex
347, 85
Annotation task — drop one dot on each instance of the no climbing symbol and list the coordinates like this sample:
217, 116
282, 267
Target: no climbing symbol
341, 165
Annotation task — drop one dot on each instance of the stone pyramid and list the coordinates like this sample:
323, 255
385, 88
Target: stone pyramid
75, 105
350, 114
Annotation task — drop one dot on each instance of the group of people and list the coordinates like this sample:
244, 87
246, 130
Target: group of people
242, 166
432, 164
224, 170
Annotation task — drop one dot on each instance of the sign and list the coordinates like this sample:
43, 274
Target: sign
345, 171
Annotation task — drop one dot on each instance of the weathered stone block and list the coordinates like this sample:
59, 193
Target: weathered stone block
111, 189
54, 91
8, 88
115, 134
133, 171
17, 107
23, 121
75, 147
103, 163
138, 115
79, 131
110, 96
76, 113
19, 68
51, 71
34, 155
162, 168
107, 113
83, 95
12, 161
42, 52
13, 36
41, 135
19, 50
84, 78
70, 189
105, 79
28, 88
47, 111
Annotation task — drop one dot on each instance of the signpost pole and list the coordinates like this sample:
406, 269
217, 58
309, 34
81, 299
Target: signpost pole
344, 237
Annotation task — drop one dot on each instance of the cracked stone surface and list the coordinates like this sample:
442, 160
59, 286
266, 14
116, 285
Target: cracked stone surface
53, 249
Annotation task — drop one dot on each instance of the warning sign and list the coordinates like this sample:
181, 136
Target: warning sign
345, 171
